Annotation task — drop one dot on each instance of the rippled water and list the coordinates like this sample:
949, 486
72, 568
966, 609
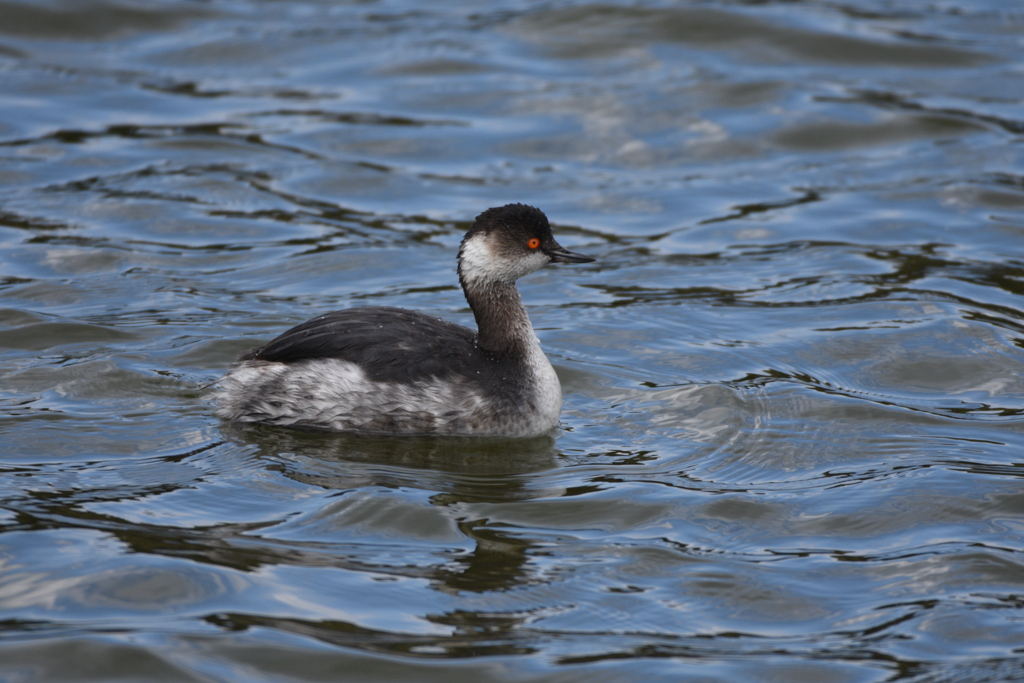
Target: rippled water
794, 388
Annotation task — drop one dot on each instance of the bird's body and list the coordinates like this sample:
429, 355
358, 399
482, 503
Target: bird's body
394, 371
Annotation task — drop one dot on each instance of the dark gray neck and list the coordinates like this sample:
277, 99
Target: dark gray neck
501, 321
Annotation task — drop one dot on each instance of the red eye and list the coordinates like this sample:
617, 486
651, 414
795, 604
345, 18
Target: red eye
533, 243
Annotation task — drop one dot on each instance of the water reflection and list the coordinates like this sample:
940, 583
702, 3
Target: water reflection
454, 470
486, 457
457, 473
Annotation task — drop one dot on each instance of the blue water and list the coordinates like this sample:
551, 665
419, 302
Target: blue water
794, 379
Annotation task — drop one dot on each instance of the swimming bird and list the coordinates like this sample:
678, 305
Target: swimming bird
387, 370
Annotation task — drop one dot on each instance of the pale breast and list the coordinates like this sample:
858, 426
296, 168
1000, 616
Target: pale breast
337, 395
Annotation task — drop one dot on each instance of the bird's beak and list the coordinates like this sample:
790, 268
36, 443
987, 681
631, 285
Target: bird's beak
561, 255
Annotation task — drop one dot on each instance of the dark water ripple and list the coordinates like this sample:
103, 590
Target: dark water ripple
790, 446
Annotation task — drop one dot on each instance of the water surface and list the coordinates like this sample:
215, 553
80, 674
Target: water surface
791, 441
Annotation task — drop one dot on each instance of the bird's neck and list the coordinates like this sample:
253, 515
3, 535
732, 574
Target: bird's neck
502, 323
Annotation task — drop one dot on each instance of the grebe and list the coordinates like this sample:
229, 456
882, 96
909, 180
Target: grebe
392, 371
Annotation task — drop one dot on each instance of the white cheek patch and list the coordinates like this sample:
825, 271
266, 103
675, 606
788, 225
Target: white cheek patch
536, 260
476, 259
480, 260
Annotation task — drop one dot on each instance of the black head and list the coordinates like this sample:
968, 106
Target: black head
508, 242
